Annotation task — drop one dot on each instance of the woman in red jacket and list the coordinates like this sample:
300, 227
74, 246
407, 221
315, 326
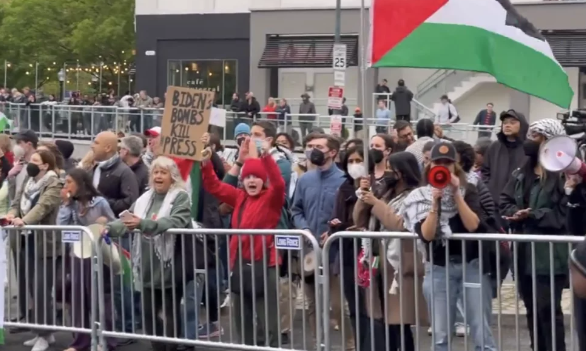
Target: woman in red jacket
257, 206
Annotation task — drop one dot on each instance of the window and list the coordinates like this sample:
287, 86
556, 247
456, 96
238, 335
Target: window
219, 76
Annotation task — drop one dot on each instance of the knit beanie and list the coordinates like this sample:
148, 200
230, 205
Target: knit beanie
242, 128
65, 147
255, 167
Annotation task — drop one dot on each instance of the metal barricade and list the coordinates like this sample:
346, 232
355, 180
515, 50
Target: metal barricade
42, 273
170, 285
389, 307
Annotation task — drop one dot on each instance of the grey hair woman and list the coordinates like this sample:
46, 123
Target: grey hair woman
158, 261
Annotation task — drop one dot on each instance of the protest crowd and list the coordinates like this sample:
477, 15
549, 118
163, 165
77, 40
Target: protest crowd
381, 290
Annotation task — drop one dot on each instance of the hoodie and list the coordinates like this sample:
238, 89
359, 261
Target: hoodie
504, 156
402, 98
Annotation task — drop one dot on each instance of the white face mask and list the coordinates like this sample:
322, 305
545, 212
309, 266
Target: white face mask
569, 191
357, 170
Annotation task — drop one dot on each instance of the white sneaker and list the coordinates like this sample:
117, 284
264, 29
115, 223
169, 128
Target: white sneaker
429, 331
226, 302
461, 330
42, 344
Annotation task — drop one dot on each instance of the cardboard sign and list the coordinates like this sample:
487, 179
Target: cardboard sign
185, 120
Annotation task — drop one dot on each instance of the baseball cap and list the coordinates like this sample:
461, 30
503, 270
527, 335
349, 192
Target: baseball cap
510, 113
443, 151
153, 132
27, 136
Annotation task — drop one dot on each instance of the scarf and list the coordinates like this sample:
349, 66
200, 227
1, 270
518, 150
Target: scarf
32, 190
164, 244
103, 165
418, 204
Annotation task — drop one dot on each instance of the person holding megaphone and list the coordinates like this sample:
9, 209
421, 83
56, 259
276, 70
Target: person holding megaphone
534, 202
447, 204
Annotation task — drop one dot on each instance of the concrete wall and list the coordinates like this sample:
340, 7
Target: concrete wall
504, 98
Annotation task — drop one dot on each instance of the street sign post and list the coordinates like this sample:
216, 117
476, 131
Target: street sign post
335, 97
339, 57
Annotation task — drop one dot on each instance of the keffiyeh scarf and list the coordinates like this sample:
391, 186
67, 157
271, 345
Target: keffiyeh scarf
164, 245
32, 190
418, 204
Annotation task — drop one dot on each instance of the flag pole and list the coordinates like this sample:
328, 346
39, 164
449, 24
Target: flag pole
362, 61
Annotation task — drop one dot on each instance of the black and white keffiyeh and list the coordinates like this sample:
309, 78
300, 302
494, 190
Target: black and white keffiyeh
418, 204
547, 127
32, 190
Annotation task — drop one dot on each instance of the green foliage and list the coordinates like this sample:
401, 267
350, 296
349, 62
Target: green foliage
66, 33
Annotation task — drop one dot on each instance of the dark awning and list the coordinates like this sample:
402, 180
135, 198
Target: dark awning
569, 47
283, 51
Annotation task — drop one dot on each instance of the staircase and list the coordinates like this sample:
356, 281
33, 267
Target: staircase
454, 84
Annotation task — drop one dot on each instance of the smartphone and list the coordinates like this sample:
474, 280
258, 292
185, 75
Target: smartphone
125, 214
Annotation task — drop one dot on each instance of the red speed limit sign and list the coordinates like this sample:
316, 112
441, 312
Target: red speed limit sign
335, 97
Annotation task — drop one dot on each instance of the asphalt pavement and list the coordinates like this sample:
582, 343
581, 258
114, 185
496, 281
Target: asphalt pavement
506, 339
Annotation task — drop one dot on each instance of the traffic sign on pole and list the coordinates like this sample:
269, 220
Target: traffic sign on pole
339, 57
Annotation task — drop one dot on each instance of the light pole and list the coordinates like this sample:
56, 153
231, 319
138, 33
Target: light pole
61, 76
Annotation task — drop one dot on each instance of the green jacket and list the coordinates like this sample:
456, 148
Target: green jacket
158, 276
548, 204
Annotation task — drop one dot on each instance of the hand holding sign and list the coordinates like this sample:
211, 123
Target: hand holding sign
185, 120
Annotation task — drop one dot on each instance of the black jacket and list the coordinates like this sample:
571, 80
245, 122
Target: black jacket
481, 118
502, 158
252, 107
402, 98
141, 171
576, 216
119, 186
343, 209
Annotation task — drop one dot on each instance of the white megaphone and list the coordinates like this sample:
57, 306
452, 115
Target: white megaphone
558, 154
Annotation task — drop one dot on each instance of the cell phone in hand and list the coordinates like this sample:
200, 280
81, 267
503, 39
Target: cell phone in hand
125, 215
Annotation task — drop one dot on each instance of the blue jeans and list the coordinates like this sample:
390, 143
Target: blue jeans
190, 310
444, 306
124, 306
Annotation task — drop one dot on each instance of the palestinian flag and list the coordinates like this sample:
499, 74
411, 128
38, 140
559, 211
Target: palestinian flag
471, 35
191, 174
126, 265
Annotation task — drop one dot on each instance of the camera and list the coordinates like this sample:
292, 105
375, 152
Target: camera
574, 123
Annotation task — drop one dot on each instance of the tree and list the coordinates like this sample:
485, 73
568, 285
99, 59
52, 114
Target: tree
71, 32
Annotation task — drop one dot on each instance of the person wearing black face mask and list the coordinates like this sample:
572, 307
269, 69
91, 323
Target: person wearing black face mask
313, 205
37, 203
534, 202
381, 146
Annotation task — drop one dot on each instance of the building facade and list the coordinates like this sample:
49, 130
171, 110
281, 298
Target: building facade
283, 48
